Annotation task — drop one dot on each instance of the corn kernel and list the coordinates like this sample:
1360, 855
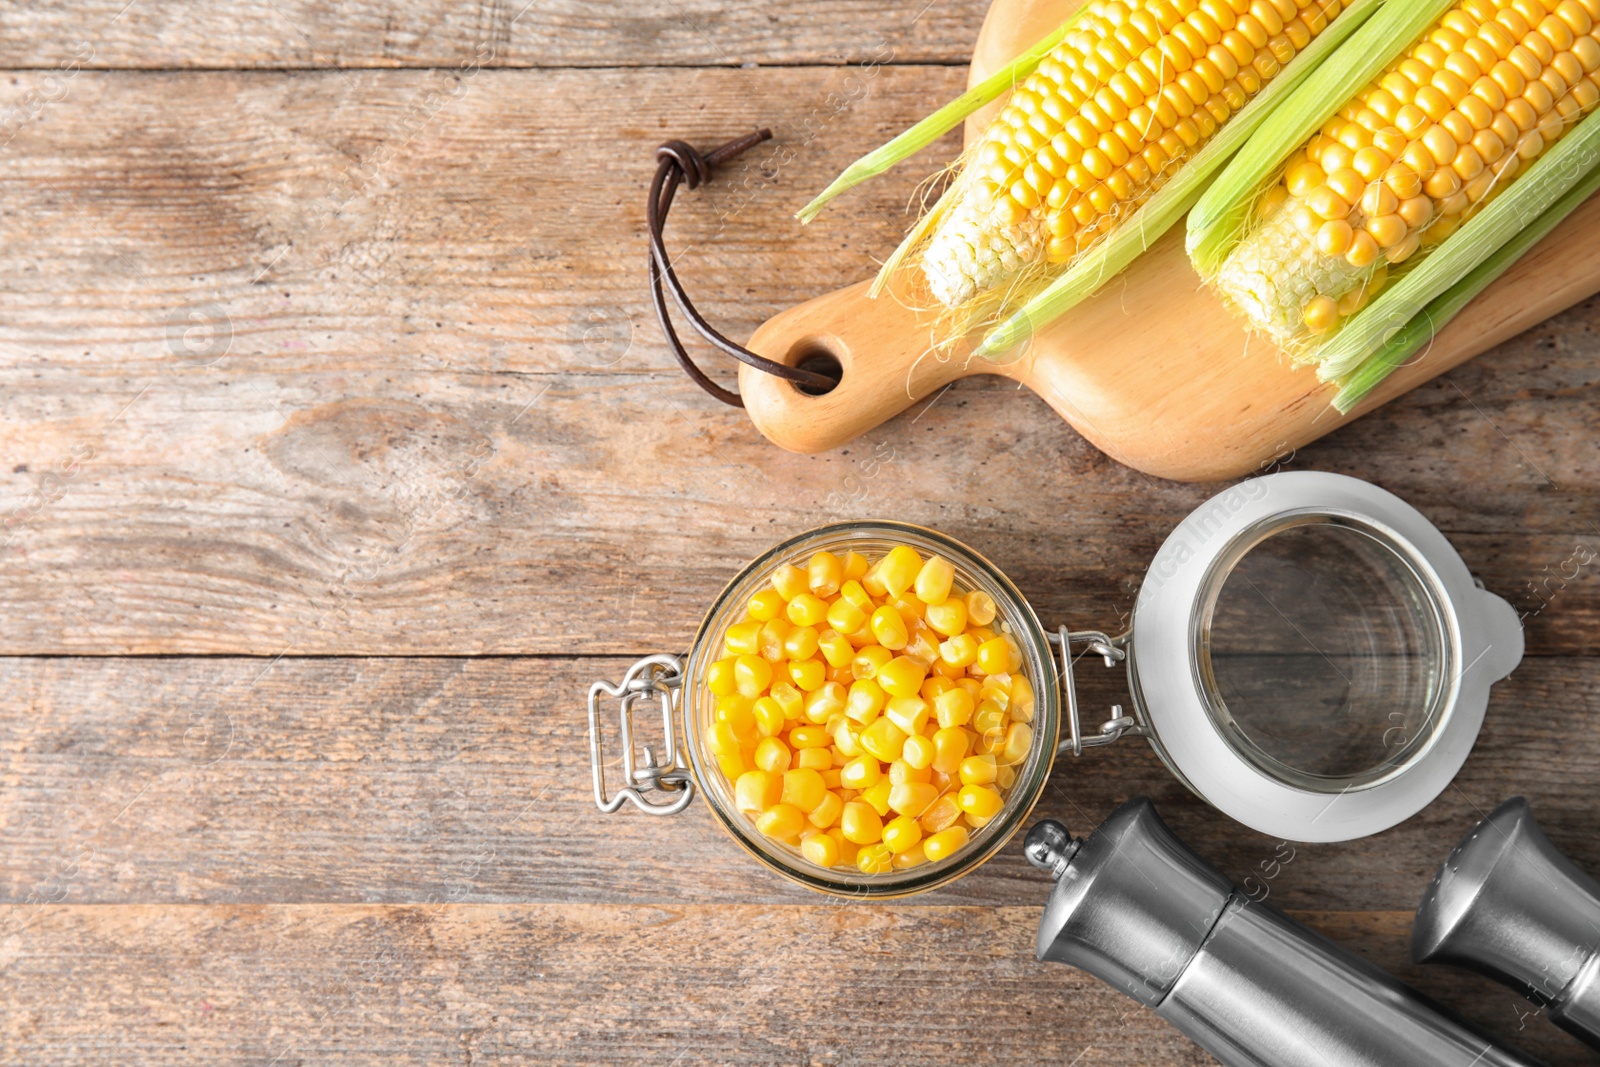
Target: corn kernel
979, 770
980, 607
765, 605
901, 772
827, 812
790, 581
869, 660
902, 676
948, 618
816, 759
911, 857
752, 675
875, 859
1022, 699
847, 848
890, 628
908, 713
1019, 739
820, 849
866, 700
861, 823
877, 796
781, 821
772, 755
768, 715
720, 679
803, 788
770, 645
790, 698
959, 651
825, 703
934, 580
808, 675
807, 609
808, 737
902, 833
732, 764
980, 800
994, 656
722, 740
862, 772
933, 685
899, 569
743, 639
944, 844
923, 648
824, 574
912, 799
845, 617
846, 738
942, 814
756, 791
950, 747
954, 707
883, 739
740, 718
835, 648
918, 752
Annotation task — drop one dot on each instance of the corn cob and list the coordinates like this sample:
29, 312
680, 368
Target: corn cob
1101, 124
1417, 153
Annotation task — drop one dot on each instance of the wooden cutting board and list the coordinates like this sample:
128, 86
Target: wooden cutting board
1153, 371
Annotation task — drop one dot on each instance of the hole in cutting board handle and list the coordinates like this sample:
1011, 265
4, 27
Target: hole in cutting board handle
815, 356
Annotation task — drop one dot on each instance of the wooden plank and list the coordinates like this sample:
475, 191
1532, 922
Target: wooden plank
394, 780
167, 34
600, 984
424, 219
213, 510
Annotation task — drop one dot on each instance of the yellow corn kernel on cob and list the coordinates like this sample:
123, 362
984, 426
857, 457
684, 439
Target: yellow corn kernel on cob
1446, 127
1100, 125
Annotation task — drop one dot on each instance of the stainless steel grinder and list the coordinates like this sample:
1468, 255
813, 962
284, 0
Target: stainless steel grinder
1510, 905
1136, 908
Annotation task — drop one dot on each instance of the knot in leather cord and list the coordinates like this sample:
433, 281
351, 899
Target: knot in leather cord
679, 163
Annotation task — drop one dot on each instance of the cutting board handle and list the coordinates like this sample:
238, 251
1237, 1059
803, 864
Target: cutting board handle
882, 349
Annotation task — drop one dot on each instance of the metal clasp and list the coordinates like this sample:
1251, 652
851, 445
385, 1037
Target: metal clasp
1113, 651
661, 676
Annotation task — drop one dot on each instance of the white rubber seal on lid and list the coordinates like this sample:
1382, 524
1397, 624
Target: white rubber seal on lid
1478, 638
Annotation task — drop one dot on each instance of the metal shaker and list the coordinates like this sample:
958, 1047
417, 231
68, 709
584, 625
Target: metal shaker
1136, 908
1510, 905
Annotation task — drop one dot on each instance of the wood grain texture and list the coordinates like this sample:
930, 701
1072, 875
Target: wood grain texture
255, 34
423, 219
597, 984
395, 780
219, 510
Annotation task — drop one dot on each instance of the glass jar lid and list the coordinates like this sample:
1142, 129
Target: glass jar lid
1311, 656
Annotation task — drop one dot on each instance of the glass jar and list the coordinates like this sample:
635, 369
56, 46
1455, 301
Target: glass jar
1307, 653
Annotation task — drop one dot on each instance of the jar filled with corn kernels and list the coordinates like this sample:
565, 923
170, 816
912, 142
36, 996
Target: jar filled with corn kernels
963, 839
873, 708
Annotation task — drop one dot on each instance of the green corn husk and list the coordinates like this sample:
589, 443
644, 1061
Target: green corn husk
1422, 328
941, 122
1223, 212
1127, 242
1564, 167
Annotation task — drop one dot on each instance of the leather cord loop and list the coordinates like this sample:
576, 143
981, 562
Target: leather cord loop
679, 163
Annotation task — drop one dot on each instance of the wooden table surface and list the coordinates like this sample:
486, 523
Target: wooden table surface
339, 453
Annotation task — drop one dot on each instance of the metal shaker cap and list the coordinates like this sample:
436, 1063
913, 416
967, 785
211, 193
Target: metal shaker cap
1132, 904
1509, 905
